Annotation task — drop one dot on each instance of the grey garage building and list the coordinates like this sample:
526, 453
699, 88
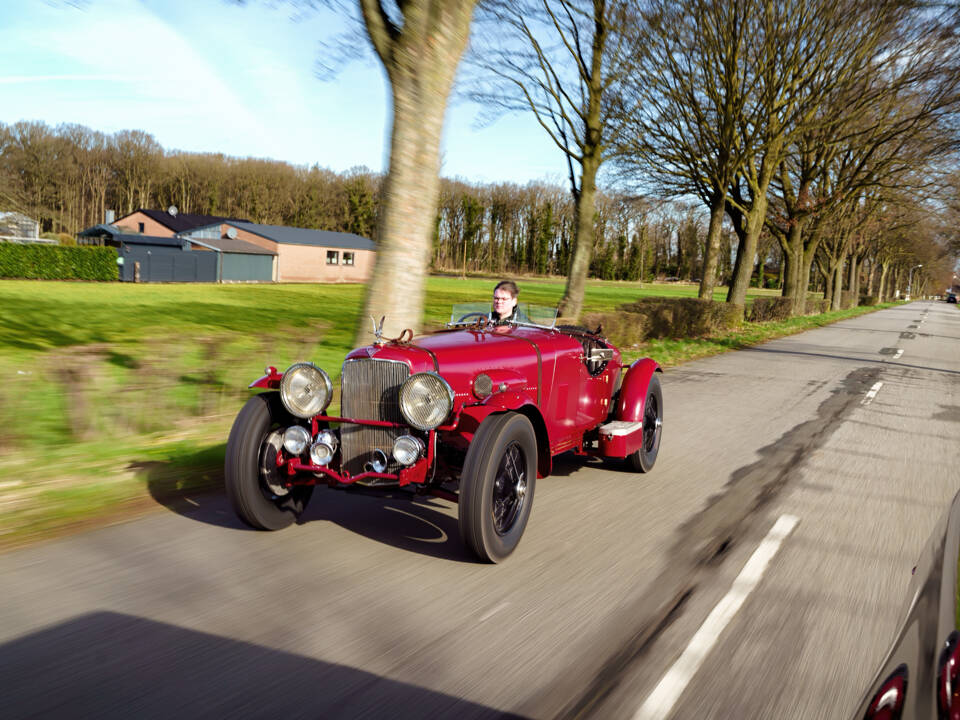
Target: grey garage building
147, 258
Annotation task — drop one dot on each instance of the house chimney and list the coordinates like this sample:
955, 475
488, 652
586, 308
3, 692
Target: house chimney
108, 217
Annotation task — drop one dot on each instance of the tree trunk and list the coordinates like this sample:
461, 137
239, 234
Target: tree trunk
585, 207
420, 58
709, 278
837, 299
882, 289
827, 279
747, 251
854, 281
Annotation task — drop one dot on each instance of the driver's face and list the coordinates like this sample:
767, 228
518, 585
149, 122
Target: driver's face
503, 302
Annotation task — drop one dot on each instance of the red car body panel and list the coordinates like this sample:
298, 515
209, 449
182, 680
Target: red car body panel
540, 372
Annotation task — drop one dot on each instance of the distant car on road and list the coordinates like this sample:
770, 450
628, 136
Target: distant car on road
920, 677
473, 413
951, 297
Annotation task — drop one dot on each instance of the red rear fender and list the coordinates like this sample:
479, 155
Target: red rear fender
633, 390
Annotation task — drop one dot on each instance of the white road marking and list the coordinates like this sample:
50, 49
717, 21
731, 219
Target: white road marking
490, 613
10, 484
897, 354
665, 695
871, 393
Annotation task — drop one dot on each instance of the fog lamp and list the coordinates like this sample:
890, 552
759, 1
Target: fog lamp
407, 449
377, 462
295, 439
323, 450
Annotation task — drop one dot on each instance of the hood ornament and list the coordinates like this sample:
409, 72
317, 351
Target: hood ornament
378, 330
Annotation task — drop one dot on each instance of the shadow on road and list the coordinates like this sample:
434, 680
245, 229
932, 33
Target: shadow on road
110, 665
193, 487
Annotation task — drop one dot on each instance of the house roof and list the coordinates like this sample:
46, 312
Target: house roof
101, 229
134, 239
305, 236
229, 245
180, 221
226, 245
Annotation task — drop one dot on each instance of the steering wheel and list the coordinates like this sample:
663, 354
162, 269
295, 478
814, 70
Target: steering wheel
472, 315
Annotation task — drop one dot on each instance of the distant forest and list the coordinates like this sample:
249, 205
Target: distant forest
66, 177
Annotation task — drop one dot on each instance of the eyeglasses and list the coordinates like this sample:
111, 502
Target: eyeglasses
502, 298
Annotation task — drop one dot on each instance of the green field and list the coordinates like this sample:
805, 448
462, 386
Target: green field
111, 390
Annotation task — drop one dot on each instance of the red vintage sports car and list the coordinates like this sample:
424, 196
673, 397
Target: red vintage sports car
473, 413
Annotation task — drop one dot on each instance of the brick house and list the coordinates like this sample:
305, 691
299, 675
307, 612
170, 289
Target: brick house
303, 255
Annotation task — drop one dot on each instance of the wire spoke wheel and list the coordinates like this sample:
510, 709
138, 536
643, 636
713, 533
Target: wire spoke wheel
509, 490
643, 459
254, 484
497, 484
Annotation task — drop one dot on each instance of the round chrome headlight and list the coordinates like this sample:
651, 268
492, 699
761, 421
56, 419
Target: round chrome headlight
426, 400
305, 390
295, 439
407, 449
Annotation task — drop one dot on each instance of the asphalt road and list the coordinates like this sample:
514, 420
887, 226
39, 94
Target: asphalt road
371, 608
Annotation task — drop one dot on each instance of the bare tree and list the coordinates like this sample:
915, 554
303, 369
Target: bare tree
686, 104
560, 60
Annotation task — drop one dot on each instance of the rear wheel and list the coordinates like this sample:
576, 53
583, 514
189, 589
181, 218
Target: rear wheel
253, 481
643, 459
496, 486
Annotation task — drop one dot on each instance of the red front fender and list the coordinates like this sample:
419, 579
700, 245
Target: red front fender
633, 390
270, 381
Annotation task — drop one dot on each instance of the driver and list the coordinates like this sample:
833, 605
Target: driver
505, 303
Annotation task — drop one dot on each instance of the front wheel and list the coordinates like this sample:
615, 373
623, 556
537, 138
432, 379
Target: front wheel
496, 486
252, 479
643, 459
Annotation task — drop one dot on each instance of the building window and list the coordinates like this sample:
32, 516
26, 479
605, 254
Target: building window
348, 258
140, 228
333, 257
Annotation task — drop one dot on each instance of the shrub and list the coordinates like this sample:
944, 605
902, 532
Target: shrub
52, 262
868, 300
771, 308
684, 317
847, 300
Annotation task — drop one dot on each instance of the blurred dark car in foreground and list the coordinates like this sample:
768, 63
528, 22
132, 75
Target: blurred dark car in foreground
920, 677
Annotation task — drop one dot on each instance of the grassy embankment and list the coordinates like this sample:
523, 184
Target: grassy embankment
114, 393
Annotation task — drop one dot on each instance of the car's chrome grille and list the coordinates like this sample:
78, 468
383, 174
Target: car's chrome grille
370, 390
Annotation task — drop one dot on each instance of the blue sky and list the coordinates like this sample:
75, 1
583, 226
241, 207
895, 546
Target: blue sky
209, 75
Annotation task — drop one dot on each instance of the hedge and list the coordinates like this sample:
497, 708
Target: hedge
656, 317
771, 308
53, 262
625, 329
816, 306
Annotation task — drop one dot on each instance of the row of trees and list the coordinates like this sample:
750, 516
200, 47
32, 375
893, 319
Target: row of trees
68, 176
802, 119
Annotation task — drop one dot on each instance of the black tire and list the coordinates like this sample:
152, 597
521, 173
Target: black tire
496, 486
643, 459
256, 496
